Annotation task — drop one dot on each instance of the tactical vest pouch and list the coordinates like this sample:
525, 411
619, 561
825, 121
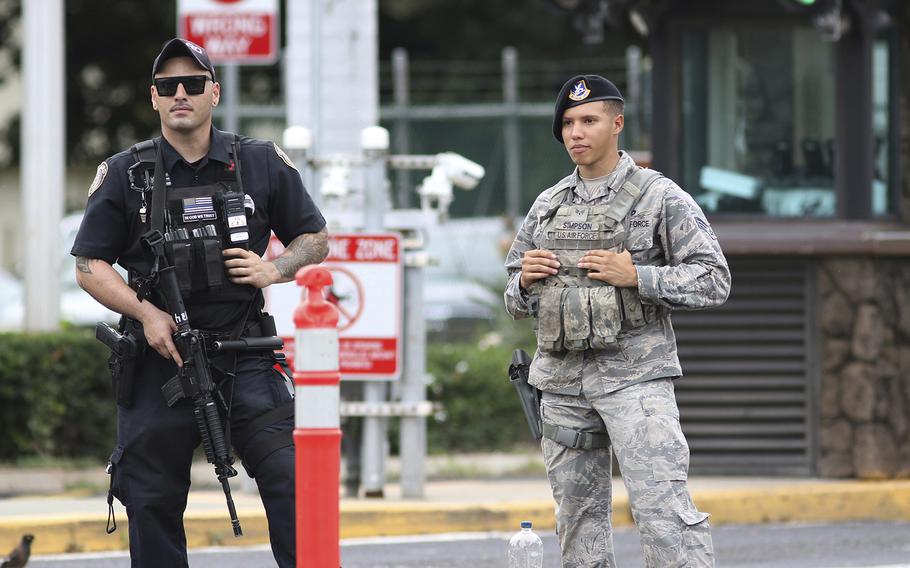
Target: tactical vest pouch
180, 255
549, 321
605, 317
213, 260
576, 317
631, 305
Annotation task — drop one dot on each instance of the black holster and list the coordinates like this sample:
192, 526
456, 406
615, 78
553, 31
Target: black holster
528, 395
127, 350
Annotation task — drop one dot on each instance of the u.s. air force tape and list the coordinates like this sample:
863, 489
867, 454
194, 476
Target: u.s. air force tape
100, 174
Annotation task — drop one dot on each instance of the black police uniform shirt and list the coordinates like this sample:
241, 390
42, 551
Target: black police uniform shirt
111, 227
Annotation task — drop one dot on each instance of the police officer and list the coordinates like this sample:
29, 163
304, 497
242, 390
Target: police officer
222, 194
600, 261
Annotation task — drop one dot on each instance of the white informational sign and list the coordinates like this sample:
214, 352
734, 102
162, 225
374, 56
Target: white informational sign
231, 31
368, 291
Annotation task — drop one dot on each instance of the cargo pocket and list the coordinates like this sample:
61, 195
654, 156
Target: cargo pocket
549, 319
698, 546
605, 317
576, 318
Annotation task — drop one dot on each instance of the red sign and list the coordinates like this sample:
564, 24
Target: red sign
231, 31
367, 289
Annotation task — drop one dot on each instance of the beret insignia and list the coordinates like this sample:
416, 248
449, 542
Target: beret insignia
580, 91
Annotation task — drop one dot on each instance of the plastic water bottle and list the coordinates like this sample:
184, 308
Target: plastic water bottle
525, 548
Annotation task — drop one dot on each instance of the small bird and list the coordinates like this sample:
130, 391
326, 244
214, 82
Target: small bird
18, 558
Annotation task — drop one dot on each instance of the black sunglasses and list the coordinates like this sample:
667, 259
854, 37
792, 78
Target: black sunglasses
192, 84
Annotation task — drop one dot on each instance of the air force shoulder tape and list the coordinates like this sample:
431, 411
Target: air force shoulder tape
283, 156
100, 174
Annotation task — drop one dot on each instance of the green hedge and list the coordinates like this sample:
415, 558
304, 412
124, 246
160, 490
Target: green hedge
479, 408
55, 396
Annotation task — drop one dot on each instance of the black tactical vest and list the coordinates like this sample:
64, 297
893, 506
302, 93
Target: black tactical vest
200, 222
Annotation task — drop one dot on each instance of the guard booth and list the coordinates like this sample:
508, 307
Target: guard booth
781, 118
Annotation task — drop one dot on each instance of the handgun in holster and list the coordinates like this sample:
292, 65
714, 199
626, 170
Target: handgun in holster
528, 395
126, 351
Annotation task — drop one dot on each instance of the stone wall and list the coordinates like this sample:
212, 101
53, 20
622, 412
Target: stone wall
864, 325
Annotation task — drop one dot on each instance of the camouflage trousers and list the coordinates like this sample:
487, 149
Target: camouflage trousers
643, 423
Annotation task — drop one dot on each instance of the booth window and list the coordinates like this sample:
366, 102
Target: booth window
884, 121
758, 120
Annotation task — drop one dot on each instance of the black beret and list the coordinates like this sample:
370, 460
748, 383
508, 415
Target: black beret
579, 90
178, 47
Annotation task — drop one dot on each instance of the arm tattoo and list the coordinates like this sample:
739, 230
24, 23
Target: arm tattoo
307, 248
83, 264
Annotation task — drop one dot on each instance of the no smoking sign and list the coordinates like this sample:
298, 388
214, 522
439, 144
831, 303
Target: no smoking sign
367, 289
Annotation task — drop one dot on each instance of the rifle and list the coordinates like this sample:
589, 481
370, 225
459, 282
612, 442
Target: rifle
194, 378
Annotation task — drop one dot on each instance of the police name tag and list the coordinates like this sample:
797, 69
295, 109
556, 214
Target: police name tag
577, 235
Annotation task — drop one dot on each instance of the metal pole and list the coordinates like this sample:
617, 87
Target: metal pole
230, 87
413, 435
401, 88
374, 440
512, 131
633, 98
316, 75
43, 159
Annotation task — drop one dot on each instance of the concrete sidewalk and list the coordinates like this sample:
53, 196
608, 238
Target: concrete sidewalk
69, 523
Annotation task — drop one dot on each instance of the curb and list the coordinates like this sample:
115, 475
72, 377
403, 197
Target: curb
824, 502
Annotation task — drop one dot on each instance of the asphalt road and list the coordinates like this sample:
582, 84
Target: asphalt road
879, 545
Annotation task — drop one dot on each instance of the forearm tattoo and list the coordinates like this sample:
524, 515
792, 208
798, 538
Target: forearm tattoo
308, 248
83, 264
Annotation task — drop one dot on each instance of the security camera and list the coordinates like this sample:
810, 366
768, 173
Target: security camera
461, 171
335, 181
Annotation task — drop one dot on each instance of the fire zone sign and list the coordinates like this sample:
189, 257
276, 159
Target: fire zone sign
367, 289
231, 31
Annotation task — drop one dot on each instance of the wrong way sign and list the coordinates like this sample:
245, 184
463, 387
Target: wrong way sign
231, 31
367, 289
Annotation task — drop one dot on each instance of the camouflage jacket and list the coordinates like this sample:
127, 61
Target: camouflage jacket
680, 266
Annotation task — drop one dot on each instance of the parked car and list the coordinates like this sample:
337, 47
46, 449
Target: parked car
464, 288
76, 306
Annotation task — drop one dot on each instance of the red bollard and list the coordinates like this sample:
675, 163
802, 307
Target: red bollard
317, 427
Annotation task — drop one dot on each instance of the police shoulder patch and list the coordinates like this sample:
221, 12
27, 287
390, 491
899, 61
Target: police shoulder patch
283, 156
100, 174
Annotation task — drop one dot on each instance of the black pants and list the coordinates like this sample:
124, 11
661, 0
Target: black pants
151, 464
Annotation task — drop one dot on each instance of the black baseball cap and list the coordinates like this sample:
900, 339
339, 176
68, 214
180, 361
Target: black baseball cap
579, 90
179, 47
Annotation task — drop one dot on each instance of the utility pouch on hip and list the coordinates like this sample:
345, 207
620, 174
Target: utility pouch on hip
549, 318
606, 319
576, 317
631, 305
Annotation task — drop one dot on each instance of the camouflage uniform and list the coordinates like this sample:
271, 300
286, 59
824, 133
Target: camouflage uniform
624, 388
